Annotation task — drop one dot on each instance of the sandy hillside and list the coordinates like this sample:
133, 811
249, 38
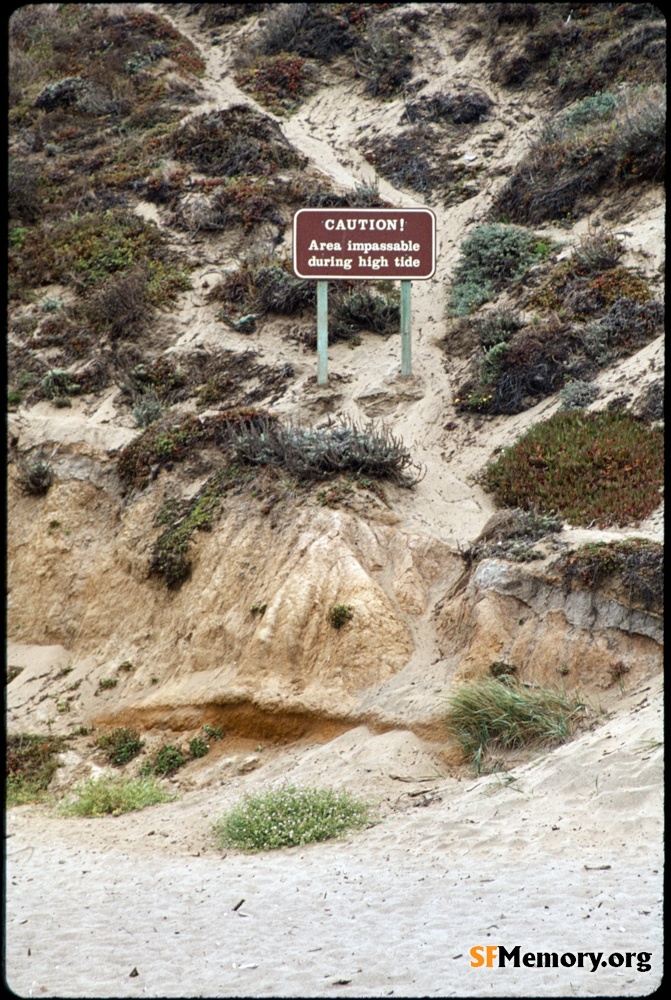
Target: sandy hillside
558, 850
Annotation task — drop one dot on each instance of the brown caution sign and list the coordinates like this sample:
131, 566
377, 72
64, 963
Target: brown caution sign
331, 243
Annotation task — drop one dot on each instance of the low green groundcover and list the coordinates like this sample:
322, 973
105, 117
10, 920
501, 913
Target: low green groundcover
602, 468
112, 796
289, 816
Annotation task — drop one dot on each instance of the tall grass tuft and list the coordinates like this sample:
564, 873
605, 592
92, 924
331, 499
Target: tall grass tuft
112, 796
507, 714
289, 816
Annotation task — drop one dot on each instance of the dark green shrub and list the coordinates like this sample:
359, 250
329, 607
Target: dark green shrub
635, 52
405, 159
24, 195
623, 329
121, 307
502, 713
281, 28
598, 251
60, 94
279, 292
213, 732
340, 614
469, 334
213, 15
500, 668
322, 35
603, 468
163, 381
307, 29
509, 69
515, 537
198, 747
418, 159
165, 761
584, 112
496, 328
650, 404
641, 138
147, 410
170, 555
514, 374
490, 366
170, 558
607, 313
363, 196
514, 13
567, 163
238, 202
173, 441
490, 257
121, 745
58, 383
262, 285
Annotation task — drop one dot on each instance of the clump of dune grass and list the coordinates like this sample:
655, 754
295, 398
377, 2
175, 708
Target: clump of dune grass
289, 816
106, 796
492, 713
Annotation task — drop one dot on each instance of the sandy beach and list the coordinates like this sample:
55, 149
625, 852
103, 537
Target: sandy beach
560, 855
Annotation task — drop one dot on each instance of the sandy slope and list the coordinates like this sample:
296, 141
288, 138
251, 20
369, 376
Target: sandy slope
559, 855
562, 854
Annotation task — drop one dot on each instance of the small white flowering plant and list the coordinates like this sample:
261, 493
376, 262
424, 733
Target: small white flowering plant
288, 816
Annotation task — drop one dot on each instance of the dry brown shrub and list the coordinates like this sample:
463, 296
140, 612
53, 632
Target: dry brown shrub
122, 305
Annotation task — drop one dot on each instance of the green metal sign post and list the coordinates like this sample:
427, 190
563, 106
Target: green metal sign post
322, 332
406, 347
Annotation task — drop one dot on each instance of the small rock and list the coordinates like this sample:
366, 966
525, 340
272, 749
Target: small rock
249, 764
